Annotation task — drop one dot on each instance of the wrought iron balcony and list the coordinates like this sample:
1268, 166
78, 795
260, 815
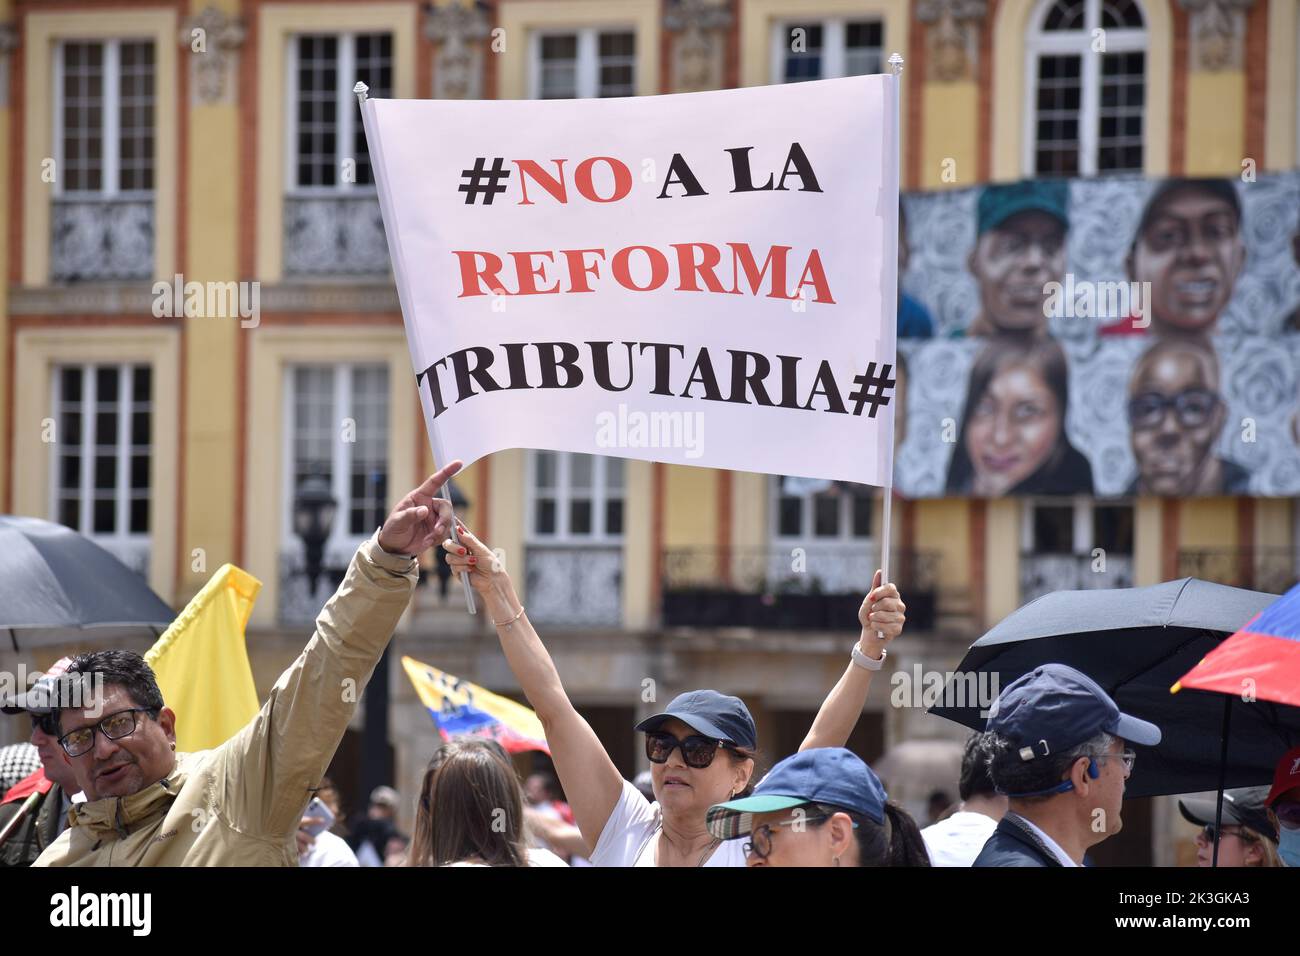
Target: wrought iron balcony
1273, 570
101, 239
1044, 573
575, 586
780, 588
334, 235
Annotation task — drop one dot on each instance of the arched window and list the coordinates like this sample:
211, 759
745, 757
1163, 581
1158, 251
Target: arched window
1087, 88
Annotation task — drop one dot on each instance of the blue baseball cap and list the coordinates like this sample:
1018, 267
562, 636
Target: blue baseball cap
829, 775
1001, 201
1055, 707
712, 714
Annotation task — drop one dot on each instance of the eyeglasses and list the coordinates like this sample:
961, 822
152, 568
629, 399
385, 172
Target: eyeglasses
114, 727
697, 751
1128, 756
1288, 814
1193, 408
759, 843
1207, 833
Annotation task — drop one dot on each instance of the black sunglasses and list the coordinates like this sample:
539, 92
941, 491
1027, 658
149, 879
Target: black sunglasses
45, 723
697, 751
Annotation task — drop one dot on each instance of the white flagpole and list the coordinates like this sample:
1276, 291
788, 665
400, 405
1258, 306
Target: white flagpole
363, 93
891, 242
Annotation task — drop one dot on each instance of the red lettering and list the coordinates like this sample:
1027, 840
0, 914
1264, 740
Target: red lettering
690, 269
658, 268
743, 258
552, 184
622, 179
529, 272
821, 290
472, 274
579, 269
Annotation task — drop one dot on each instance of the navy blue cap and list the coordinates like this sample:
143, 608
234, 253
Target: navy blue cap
1055, 707
712, 714
828, 775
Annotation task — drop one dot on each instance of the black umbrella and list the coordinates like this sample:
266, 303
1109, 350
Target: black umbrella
1136, 643
57, 586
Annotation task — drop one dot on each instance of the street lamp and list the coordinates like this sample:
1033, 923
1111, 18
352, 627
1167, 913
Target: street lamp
313, 518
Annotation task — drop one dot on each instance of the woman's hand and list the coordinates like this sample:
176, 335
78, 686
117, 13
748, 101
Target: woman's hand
487, 573
881, 616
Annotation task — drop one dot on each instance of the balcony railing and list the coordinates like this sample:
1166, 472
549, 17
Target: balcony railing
771, 588
1044, 573
1273, 570
334, 235
575, 586
95, 240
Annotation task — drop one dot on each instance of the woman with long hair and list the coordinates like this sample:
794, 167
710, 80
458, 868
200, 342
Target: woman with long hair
1012, 438
471, 810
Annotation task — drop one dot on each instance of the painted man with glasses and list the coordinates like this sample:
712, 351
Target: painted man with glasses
238, 804
1176, 415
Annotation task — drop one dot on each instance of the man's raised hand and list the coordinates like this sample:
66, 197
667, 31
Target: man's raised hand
421, 519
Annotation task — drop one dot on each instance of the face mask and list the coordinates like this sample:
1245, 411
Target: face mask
1288, 846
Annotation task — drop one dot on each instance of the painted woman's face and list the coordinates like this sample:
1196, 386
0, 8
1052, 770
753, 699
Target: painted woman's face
1012, 430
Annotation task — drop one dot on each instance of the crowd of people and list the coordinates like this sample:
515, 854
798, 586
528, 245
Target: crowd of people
1040, 786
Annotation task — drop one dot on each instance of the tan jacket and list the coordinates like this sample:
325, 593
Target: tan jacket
238, 805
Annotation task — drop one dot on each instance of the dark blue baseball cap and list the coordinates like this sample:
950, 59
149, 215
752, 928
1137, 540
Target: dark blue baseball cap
829, 775
712, 714
1055, 707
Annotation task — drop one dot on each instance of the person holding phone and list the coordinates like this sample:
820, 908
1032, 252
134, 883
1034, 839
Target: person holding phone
317, 846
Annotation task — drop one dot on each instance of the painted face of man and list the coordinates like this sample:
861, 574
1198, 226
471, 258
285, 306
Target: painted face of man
1192, 254
1013, 263
1175, 414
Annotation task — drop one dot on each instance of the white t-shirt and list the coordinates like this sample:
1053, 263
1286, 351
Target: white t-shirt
957, 840
631, 835
329, 850
536, 857
1050, 843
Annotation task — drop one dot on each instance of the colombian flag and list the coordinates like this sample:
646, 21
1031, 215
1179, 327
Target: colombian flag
201, 662
459, 707
1262, 658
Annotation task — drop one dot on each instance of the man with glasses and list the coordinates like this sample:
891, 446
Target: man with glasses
1175, 415
1060, 753
238, 804
35, 811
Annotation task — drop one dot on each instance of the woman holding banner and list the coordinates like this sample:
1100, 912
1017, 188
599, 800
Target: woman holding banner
702, 748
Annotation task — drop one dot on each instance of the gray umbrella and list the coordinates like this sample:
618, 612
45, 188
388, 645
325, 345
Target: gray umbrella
57, 586
1136, 643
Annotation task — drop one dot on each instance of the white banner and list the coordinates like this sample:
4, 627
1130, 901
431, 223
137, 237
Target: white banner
704, 278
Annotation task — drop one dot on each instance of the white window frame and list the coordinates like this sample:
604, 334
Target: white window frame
834, 40
123, 537
111, 173
600, 496
806, 536
1083, 526
345, 134
1040, 42
341, 543
588, 62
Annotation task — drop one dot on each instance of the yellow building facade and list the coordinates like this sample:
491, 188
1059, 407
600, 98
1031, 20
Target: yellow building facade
215, 142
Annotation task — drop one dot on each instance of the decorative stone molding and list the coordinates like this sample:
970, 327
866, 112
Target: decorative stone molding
213, 39
1218, 33
698, 52
458, 30
951, 37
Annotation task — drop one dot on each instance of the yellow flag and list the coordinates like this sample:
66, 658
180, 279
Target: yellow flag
201, 662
